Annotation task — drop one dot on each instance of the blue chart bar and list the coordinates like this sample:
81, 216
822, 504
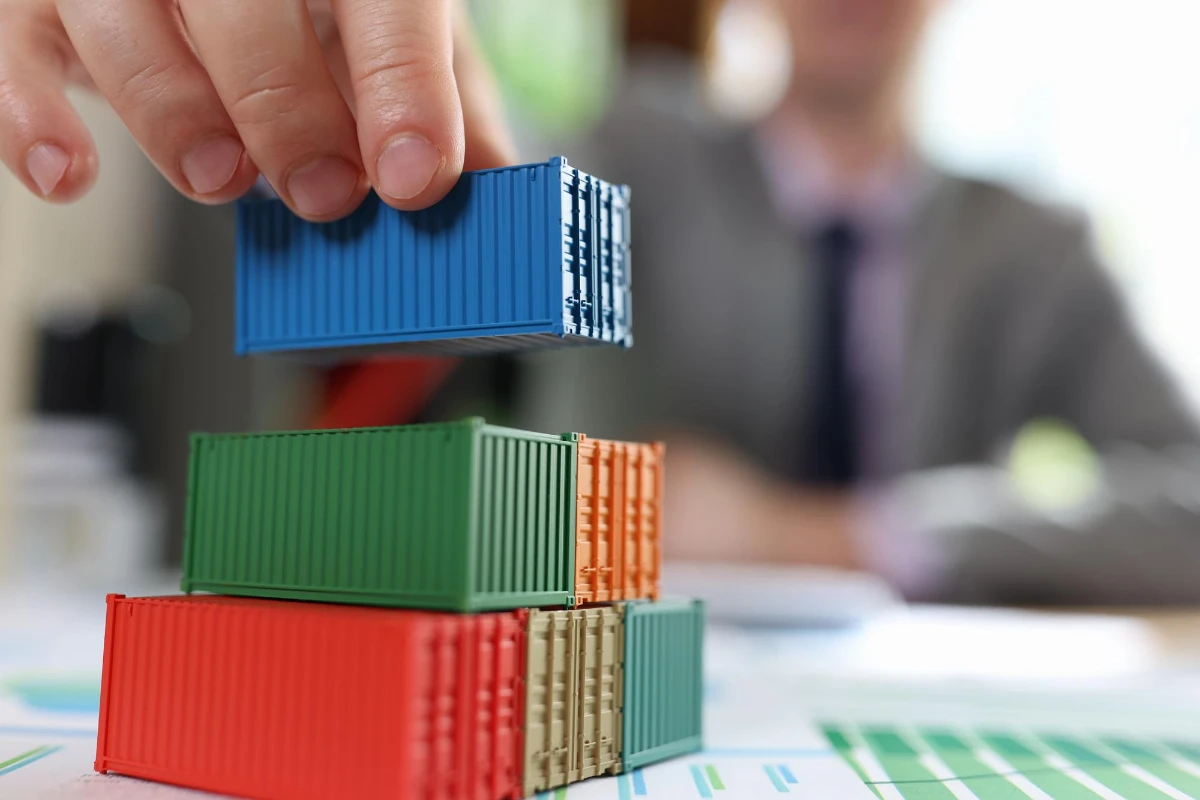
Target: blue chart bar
624, 788
773, 774
701, 782
639, 783
788, 777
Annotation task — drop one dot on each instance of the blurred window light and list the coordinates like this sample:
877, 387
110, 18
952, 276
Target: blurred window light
748, 60
555, 61
1090, 103
1052, 466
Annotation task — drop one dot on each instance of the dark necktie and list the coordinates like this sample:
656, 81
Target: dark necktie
832, 428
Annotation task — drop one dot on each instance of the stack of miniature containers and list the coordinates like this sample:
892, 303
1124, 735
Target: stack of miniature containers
455, 611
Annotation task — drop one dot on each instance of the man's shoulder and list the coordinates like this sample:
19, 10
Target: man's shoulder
984, 207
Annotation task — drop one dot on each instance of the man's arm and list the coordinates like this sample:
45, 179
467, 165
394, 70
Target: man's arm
967, 533
1136, 537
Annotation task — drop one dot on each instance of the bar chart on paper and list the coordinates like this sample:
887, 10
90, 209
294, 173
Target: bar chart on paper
716, 775
934, 763
863, 762
729, 775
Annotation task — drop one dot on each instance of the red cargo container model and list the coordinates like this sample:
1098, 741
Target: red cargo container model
278, 699
618, 509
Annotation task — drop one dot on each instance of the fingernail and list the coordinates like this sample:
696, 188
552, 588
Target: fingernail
210, 165
47, 163
407, 165
322, 186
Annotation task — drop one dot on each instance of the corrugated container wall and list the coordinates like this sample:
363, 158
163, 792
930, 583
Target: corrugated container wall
457, 516
573, 689
619, 489
664, 681
512, 258
261, 698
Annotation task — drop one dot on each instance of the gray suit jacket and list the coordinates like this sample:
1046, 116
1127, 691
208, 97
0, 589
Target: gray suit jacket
1011, 320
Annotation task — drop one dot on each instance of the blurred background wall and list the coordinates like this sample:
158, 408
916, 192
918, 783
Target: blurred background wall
1089, 103
64, 264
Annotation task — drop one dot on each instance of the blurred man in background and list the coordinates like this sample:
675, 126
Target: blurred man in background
841, 342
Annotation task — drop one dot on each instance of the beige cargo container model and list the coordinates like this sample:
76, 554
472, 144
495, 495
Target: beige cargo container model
573, 696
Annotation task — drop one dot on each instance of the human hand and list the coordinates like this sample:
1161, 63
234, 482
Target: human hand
718, 507
324, 98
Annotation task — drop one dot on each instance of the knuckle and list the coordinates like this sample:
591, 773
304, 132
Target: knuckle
272, 95
152, 83
397, 58
10, 96
396, 72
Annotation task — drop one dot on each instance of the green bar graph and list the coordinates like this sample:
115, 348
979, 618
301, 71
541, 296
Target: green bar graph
939, 762
842, 744
957, 754
1146, 758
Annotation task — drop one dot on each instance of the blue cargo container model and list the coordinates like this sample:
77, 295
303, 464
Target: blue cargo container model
512, 258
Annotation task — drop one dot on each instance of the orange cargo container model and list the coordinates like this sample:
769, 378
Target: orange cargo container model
619, 489
271, 698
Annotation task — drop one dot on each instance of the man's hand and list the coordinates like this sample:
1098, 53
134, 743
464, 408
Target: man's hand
720, 508
323, 98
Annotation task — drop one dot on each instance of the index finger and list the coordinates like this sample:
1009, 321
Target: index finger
266, 64
410, 119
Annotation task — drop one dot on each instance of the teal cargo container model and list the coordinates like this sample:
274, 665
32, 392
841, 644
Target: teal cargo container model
664, 681
459, 516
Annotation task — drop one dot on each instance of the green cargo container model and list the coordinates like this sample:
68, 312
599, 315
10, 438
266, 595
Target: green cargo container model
459, 516
572, 696
664, 681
